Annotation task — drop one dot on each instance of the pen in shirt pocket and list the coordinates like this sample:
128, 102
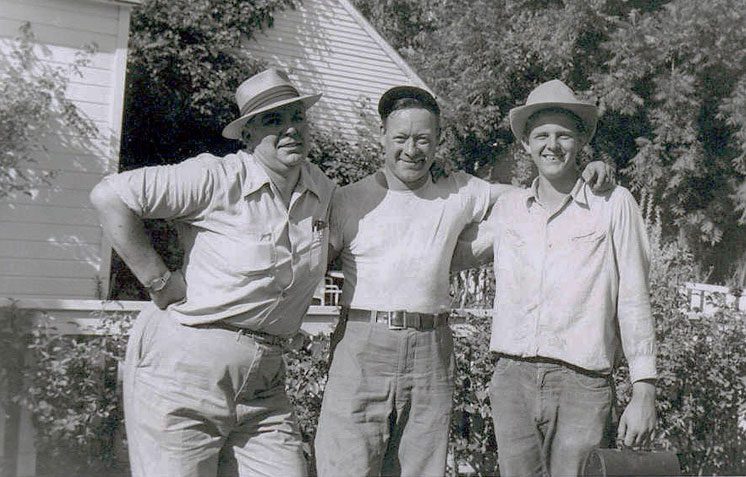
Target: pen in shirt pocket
318, 225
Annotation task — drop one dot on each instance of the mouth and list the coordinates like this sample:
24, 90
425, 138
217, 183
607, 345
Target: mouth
412, 162
291, 145
551, 158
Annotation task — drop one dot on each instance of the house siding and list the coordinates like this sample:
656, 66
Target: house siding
327, 46
51, 245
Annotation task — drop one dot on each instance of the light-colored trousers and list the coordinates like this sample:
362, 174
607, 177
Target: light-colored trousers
387, 403
206, 402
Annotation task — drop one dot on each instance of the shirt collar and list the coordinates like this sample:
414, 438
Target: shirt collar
579, 192
256, 177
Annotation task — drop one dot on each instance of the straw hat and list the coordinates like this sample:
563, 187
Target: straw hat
553, 94
267, 90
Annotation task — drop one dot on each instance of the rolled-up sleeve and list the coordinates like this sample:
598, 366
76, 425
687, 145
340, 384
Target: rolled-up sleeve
166, 192
634, 314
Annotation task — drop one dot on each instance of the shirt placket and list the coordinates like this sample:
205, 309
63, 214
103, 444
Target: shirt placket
548, 220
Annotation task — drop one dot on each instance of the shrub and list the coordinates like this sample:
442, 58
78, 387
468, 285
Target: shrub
472, 440
305, 380
74, 399
32, 101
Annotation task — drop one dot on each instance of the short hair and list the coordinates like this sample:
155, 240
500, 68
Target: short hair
579, 124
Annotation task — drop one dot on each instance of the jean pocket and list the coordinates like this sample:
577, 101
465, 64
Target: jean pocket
503, 366
588, 382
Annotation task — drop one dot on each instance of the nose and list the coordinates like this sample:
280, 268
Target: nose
552, 142
292, 130
409, 148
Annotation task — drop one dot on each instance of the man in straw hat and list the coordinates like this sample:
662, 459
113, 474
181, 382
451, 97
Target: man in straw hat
571, 271
204, 386
387, 403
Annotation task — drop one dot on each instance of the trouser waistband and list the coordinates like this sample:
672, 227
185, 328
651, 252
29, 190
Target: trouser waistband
400, 319
260, 336
559, 362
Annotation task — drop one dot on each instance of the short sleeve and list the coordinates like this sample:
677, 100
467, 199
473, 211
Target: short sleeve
337, 221
166, 192
477, 194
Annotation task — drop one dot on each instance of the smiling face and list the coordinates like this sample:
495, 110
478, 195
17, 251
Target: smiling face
553, 142
410, 138
279, 137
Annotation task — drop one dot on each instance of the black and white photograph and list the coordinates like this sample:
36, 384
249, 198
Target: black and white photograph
368, 238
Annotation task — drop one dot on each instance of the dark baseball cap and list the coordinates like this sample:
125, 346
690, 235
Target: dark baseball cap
386, 103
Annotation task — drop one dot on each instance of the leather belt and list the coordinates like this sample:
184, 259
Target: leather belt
262, 337
400, 319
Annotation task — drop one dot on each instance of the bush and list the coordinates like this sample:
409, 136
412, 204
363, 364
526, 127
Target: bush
472, 439
74, 399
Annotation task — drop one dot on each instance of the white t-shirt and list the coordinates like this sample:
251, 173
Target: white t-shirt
396, 246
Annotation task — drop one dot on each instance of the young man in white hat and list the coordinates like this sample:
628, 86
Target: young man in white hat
387, 403
571, 271
204, 388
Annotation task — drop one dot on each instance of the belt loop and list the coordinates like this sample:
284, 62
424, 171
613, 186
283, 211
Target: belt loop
373, 316
239, 334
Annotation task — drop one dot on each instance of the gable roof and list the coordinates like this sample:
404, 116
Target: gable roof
327, 46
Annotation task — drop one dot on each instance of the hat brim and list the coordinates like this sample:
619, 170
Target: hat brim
233, 129
588, 113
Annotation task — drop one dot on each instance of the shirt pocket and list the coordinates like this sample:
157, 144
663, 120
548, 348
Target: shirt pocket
514, 238
318, 248
253, 253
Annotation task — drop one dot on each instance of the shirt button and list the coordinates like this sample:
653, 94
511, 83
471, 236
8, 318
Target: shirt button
283, 294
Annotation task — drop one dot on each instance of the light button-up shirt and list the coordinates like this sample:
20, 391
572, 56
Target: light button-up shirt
572, 283
248, 259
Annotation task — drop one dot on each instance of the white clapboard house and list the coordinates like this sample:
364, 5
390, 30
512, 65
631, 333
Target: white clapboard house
54, 260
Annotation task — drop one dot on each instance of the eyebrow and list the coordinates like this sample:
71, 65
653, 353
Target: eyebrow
269, 117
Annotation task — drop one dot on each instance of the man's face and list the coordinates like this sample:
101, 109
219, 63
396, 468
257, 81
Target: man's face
279, 137
410, 138
553, 144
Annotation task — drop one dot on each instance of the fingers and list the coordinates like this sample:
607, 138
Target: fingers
622, 431
588, 175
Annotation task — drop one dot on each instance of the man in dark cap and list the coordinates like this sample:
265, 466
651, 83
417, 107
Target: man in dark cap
387, 403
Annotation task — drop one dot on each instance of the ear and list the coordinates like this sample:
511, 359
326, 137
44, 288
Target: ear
526, 147
382, 136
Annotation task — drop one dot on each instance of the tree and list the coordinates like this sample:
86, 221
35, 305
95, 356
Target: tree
184, 65
669, 77
32, 104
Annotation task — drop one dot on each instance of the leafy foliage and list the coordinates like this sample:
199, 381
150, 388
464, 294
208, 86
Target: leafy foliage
472, 430
306, 377
32, 104
669, 77
184, 65
74, 399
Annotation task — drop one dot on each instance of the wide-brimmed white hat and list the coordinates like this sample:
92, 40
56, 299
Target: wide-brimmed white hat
553, 94
264, 91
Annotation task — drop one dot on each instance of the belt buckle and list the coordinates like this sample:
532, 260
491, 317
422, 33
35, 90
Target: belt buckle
396, 320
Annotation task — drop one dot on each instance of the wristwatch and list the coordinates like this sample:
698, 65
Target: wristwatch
159, 283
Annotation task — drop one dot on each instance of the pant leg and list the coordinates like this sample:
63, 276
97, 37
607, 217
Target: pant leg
515, 404
354, 425
267, 440
165, 437
583, 419
423, 447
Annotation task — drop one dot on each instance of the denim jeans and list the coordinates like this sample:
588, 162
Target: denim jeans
206, 402
548, 416
387, 404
